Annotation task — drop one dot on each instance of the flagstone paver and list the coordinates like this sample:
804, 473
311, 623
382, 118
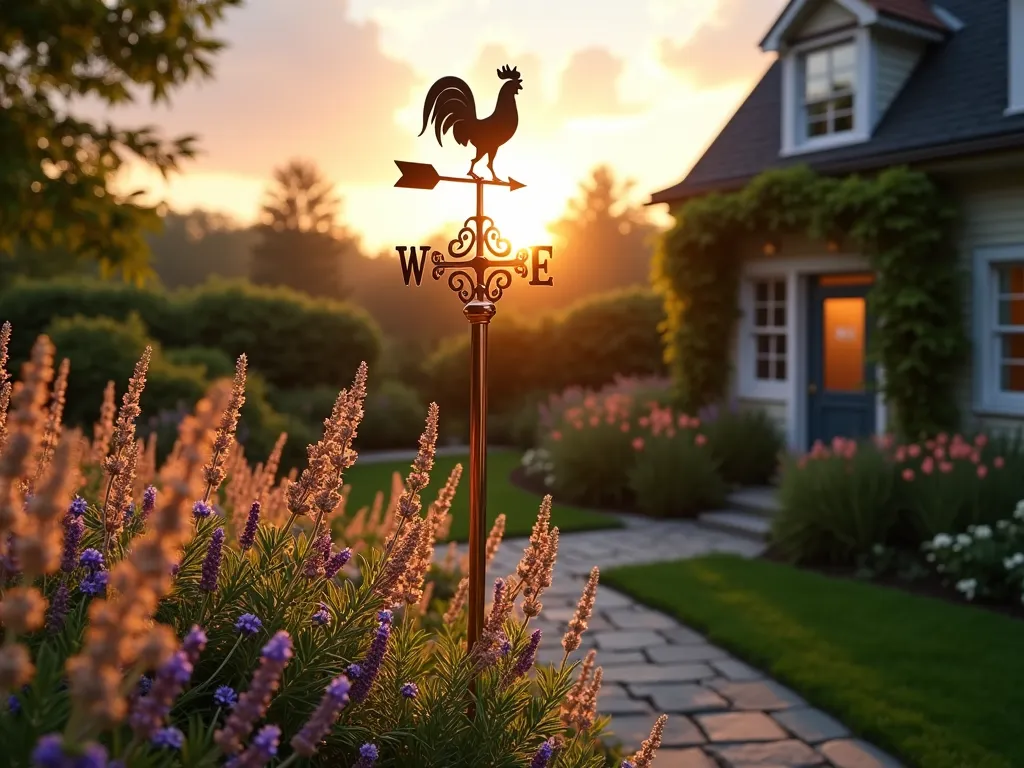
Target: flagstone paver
722, 712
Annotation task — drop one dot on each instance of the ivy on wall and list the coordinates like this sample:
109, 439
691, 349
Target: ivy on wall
899, 219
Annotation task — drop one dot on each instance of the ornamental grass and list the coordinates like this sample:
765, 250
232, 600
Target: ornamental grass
199, 611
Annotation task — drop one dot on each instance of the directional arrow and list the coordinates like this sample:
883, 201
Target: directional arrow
425, 176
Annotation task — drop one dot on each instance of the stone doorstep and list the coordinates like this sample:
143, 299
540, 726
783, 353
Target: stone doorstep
854, 753
740, 727
732, 669
639, 618
810, 725
687, 698
790, 753
665, 654
656, 673
626, 640
632, 730
693, 757
760, 695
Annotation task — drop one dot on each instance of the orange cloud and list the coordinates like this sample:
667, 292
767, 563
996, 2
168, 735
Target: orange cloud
724, 49
590, 85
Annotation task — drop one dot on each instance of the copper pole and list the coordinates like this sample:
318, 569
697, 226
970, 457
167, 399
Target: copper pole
479, 312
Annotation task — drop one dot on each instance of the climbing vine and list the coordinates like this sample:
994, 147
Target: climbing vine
898, 219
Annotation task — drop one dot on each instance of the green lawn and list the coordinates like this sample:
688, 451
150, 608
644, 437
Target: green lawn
940, 685
519, 506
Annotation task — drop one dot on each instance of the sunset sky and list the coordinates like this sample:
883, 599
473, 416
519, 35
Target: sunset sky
642, 86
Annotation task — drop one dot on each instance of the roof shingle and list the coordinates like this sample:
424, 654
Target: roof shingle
919, 11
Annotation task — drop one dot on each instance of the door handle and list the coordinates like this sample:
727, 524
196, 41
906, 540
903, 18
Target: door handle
812, 388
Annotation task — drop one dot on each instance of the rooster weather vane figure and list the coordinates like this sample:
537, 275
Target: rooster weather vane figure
479, 266
451, 101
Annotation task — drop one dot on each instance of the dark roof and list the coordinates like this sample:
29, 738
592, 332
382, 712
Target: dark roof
953, 104
919, 11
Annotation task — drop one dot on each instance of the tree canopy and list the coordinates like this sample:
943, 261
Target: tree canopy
58, 166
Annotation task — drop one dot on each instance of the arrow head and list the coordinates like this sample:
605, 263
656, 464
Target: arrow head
417, 175
513, 185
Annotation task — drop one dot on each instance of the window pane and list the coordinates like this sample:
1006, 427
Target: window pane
779, 319
1011, 278
1012, 347
780, 344
844, 344
780, 290
817, 127
844, 123
764, 368
817, 88
842, 104
761, 317
844, 58
817, 111
780, 370
1011, 311
761, 290
817, 64
764, 344
1012, 379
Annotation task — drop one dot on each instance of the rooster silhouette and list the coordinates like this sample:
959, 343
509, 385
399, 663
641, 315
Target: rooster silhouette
451, 101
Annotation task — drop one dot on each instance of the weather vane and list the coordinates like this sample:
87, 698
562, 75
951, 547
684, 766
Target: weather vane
479, 265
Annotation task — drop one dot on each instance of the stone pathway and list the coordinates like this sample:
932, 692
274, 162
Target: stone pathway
722, 712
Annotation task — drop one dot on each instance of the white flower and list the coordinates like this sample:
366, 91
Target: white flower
942, 540
1002, 525
963, 539
967, 587
983, 532
1019, 511
1009, 563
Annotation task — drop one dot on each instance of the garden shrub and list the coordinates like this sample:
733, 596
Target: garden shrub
747, 444
162, 618
835, 503
984, 563
394, 416
216, 363
102, 349
676, 475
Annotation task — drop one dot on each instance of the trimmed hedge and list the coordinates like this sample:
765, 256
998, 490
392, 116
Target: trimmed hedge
588, 345
292, 340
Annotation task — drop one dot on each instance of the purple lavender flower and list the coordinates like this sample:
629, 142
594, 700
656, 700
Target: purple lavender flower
322, 616
505, 647
367, 756
252, 705
355, 671
149, 712
145, 685
410, 690
543, 755
316, 558
168, 738
370, 667
175, 567
13, 704
49, 753
263, 747
211, 564
336, 562
78, 506
194, 643
74, 528
201, 510
306, 741
59, 606
385, 616
129, 512
248, 624
92, 560
252, 523
627, 764
526, 657
95, 583
225, 696
148, 501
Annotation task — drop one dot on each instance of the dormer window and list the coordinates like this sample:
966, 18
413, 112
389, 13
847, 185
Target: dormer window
830, 86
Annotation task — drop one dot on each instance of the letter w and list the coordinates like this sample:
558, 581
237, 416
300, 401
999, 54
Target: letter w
412, 266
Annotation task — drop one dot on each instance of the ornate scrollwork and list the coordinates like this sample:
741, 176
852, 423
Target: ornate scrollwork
522, 256
496, 283
495, 244
463, 244
462, 282
436, 258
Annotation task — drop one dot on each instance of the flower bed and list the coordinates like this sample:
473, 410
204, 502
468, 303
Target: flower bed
199, 612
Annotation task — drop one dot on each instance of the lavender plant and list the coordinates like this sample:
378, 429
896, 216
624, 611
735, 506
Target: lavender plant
200, 613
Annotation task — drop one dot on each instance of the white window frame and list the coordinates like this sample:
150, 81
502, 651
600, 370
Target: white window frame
989, 396
750, 385
794, 138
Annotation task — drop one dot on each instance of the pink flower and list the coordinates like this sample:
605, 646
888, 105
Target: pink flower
943, 438
556, 435
928, 465
695, 423
638, 443
914, 450
908, 474
945, 467
624, 426
594, 421
982, 471
981, 440
998, 462
684, 421
975, 457
700, 439
901, 454
940, 453
644, 421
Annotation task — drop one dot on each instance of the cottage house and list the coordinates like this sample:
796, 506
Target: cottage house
859, 86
